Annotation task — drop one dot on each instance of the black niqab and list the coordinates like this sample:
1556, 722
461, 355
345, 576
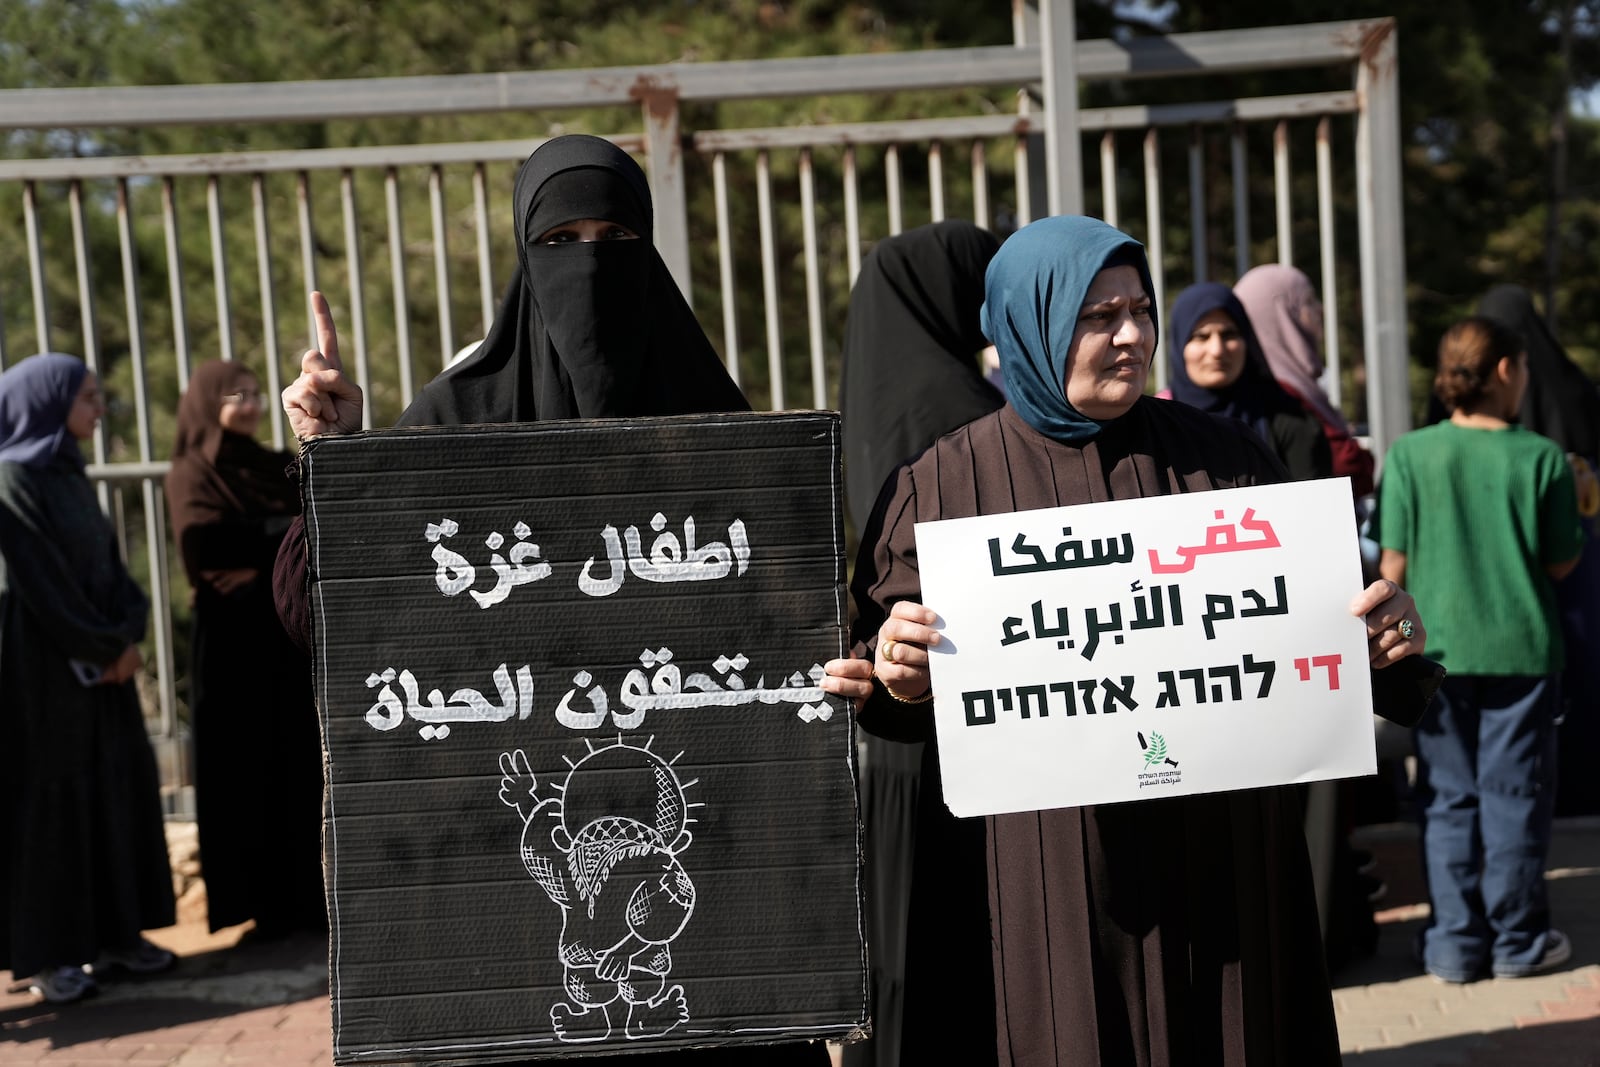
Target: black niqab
911, 347
587, 329
1561, 402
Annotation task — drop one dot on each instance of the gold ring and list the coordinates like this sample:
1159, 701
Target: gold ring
888, 650
1406, 628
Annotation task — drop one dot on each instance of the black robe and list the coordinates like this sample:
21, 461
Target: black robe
83, 855
258, 751
1174, 931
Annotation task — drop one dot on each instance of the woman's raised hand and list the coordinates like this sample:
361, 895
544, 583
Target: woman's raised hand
322, 400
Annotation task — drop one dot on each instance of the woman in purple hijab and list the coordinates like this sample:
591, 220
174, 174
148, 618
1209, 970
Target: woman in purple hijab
83, 857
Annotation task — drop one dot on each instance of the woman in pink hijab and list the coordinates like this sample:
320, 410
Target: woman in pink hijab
1287, 317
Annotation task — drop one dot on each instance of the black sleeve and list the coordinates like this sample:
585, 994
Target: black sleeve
233, 543
289, 590
39, 571
1300, 443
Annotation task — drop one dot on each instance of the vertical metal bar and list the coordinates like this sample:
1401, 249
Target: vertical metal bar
308, 247
155, 532
480, 216
1108, 177
1280, 185
219, 267
769, 279
1024, 186
131, 304
441, 265
1032, 186
180, 320
936, 180
1197, 204
980, 185
358, 312
664, 152
808, 224
891, 173
1331, 382
1155, 246
730, 302
1381, 224
852, 215
1241, 203
1058, 43
41, 310
91, 341
397, 275
269, 302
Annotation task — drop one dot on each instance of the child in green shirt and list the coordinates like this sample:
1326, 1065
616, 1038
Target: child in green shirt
1477, 517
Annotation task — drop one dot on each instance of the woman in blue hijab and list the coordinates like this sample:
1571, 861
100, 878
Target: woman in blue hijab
1173, 930
1216, 364
83, 857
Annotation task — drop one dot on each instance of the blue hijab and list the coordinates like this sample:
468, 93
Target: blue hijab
1255, 395
36, 396
1033, 292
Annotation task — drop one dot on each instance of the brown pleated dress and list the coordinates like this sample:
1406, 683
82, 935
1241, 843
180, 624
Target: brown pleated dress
1174, 931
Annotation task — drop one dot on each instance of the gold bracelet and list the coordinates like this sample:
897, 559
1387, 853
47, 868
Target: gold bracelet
923, 699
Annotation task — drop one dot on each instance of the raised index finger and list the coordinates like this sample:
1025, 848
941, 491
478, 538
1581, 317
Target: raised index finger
327, 335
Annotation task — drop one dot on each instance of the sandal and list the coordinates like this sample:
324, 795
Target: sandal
63, 985
143, 958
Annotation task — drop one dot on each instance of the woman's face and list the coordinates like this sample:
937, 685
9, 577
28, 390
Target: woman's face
87, 407
242, 409
1111, 345
1214, 354
582, 231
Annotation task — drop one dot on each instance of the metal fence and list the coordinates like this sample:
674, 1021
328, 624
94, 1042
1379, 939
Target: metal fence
1159, 176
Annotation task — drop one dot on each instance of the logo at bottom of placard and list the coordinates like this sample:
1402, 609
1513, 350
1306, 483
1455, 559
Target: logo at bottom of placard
1159, 769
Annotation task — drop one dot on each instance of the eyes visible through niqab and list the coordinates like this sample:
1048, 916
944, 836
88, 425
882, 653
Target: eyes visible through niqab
583, 231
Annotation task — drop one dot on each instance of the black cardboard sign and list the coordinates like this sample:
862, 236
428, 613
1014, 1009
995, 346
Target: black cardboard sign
583, 792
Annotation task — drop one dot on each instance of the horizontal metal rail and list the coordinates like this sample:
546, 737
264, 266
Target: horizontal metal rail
1143, 57
119, 473
288, 160
1250, 109
960, 128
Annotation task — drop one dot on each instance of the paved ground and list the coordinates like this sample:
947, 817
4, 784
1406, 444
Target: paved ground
1391, 1016
232, 1000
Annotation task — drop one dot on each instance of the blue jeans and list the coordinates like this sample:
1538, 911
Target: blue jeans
1486, 757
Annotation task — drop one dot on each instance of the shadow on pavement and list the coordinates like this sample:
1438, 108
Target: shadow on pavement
1553, 1044
203, 986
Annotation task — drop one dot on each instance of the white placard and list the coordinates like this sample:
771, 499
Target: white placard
1148, 648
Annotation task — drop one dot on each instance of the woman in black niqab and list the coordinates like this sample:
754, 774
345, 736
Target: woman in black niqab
591, 329
1561, 402
911, 371
911, 375
588, 328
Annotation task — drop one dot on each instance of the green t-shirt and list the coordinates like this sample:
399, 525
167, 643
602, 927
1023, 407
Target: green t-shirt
1479, 514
